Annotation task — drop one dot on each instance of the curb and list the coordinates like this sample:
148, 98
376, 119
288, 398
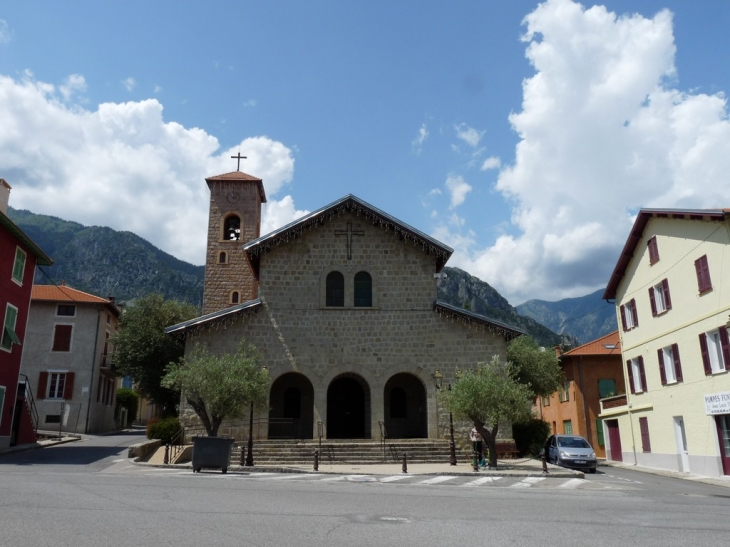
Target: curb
667, 473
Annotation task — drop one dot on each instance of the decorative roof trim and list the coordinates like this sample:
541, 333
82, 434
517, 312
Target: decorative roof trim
453, 313
218, 319
239, 176
637, 232
348, 204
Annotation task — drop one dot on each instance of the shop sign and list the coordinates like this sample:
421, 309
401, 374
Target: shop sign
717, 403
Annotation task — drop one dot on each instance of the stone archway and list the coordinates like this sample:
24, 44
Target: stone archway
405, 409
348, 408
291, 415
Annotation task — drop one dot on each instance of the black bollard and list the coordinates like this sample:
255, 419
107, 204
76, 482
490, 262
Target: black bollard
316, 460
476, 461
544, 464
242, 458
405, 463
167, 454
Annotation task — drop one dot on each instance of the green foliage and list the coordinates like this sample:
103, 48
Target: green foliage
128, 398
217, 387
142, 350
536, 368
163, 428
530, 436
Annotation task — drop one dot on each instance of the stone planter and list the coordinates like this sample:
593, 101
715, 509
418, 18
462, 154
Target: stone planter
211, 453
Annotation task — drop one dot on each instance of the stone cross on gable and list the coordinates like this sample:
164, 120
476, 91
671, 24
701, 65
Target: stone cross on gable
349, 233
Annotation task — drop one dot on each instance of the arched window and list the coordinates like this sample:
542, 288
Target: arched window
232, 228
235, 297
222, 259
398, 404
335, 289
363, 290
292, 403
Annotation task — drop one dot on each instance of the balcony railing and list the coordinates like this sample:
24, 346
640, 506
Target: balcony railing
107, 360
613, 402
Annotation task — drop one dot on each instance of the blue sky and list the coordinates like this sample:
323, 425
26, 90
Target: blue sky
523, 135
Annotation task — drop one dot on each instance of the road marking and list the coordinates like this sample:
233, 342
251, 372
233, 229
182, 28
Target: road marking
437, 480
122, 460
527, 482
285, 477
394, 478
483, 480
572, 483
333, 479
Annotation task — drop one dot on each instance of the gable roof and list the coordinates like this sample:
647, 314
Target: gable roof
240, 176
63, 293
637, 231
42, 259
474, 319
348, 204
605, 345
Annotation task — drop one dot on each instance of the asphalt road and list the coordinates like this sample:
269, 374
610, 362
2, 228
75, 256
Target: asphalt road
87, 494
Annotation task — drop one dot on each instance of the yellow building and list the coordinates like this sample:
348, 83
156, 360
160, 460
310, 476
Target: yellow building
672, 291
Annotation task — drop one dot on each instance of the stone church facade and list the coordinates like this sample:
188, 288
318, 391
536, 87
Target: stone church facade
342, 307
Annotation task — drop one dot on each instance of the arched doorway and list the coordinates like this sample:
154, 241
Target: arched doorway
405, 407
292, 407
348, 408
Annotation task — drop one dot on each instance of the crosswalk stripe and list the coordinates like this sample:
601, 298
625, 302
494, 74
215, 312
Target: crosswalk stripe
437, 480
333, 479
527, 482
394, 478
572, 483
483, 480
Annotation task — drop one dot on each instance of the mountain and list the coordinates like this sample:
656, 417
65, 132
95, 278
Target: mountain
461, 289
587, 317
105, 262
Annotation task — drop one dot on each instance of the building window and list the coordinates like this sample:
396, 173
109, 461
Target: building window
66, 310
567, 427
670, 368
564, 393
222, 258
235, 297
19, 265
232, 228
645, 441
659, 297
606, 387
53, 418
335, 289
62, 337
715, 347
546, 401
629, 315
704, 283
127, 382
653, 250
56, 385
363, 290
9, 337
637, 376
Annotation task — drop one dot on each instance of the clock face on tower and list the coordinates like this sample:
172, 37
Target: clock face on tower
232, 197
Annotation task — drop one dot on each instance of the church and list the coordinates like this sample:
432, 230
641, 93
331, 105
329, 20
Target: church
342, 307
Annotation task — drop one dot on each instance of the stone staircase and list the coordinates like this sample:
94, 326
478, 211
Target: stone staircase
351, 451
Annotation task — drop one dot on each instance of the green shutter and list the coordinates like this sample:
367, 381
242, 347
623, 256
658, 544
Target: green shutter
2, 401
9, 337
599, 431
568, 427
19, 266
606, 388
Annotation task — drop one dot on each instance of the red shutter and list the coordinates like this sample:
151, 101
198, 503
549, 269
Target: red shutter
645, 441
62, 338
702, 269
68, 388
667, 298
677, 363
42, 386
634, 313
631, 375
705, 354
643, 375
725, 343
653, 250
662, 372
651, 299
622, 309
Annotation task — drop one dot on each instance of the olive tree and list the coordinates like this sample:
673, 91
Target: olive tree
219, 386
537, 368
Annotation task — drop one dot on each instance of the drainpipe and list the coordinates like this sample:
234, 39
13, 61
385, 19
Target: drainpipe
93, 367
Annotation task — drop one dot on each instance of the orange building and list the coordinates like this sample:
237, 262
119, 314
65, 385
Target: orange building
592, 371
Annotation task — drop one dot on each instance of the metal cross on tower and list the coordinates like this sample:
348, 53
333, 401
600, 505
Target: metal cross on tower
239, 157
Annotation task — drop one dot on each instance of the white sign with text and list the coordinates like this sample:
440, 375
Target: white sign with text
717, 403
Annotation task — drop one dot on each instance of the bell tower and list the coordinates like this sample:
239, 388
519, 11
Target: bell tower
234, 219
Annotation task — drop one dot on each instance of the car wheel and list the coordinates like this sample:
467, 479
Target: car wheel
224, 470
593, 470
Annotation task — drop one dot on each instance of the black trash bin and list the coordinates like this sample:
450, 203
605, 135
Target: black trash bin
211, 453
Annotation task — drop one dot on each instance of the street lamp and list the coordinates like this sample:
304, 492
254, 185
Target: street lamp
438, 379
249, 456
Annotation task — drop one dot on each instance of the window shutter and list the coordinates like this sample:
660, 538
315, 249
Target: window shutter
62, 338
599, 432
645, 440
634, 313
653, 302
629, 367
653, 250
705, 354
662, 372
622, 309
643, 375
703, 274
42, 386
665, 290
68, 388
725, 343
677, 363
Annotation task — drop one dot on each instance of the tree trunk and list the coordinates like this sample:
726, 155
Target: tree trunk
490, 437
198, 406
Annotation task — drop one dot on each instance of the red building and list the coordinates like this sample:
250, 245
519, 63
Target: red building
18, 259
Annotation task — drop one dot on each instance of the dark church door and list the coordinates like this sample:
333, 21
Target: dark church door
346, 409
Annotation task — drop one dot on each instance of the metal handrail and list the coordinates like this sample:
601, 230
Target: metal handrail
383, 436
28, 396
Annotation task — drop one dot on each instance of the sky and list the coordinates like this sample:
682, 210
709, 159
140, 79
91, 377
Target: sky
524, 135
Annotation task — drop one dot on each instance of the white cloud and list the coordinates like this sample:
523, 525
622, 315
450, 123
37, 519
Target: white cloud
74, 84
468, 134
5, 32
279, 213
129, 83
435, 192
420, 139
251, 102
158, 89
123, 166
458, 189
491, 163
602, 133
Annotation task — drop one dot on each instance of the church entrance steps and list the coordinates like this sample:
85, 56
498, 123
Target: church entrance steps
268, 452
